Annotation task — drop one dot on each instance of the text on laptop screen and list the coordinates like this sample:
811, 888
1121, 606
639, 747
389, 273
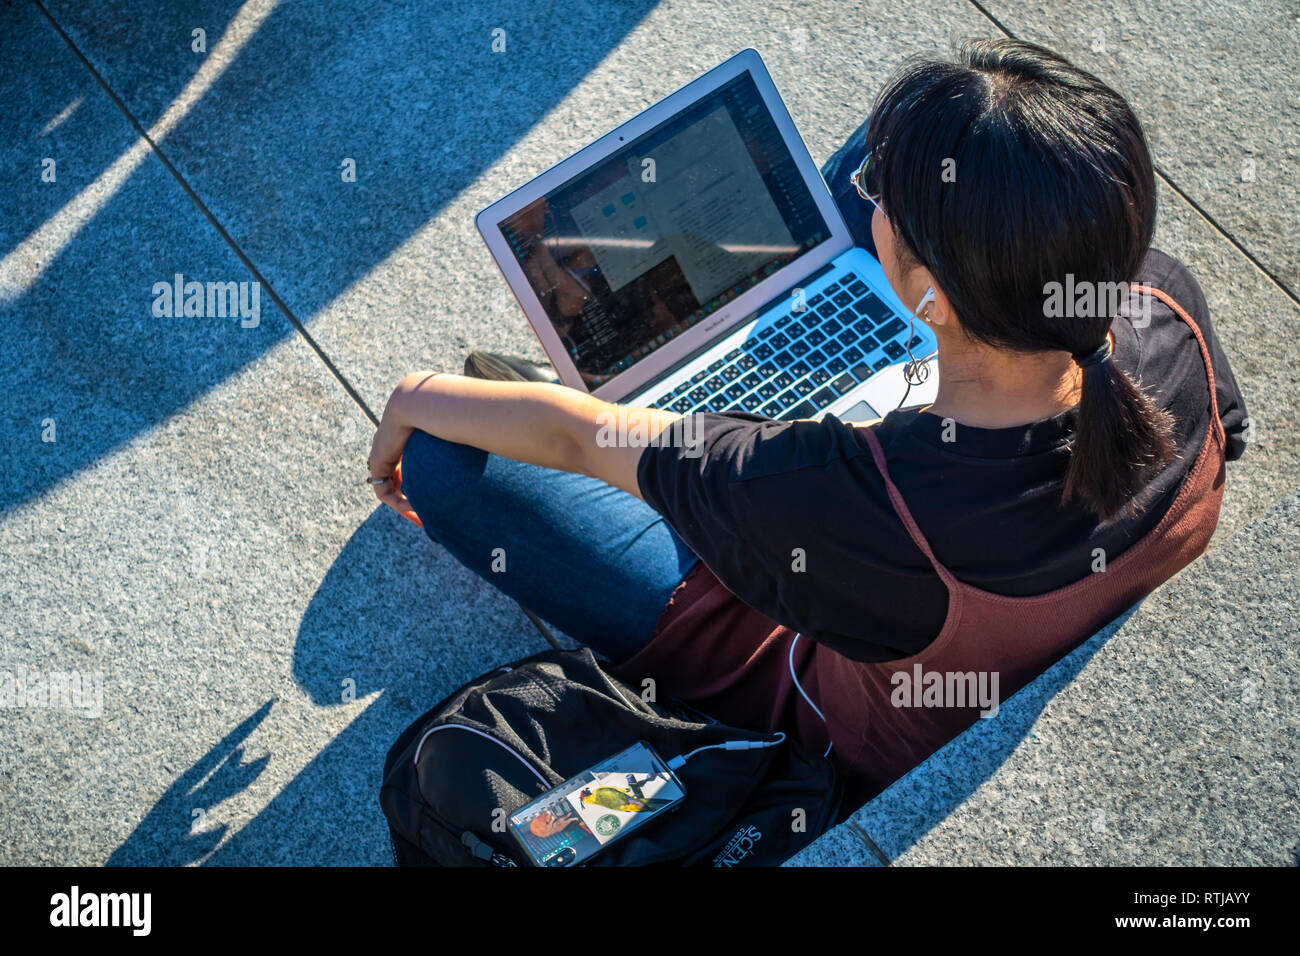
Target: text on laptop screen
665, 231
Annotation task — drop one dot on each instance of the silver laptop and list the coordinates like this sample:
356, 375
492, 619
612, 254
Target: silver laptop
693, 259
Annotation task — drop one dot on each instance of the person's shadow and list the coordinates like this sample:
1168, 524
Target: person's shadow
173, 833
417, 93
396, 617
399, 617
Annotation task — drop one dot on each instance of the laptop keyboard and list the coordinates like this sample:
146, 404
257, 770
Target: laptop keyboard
794, 365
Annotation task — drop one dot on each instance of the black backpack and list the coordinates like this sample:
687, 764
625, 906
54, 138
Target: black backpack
455, 774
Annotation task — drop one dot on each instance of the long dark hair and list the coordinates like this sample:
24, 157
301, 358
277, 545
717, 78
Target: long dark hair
1006, 171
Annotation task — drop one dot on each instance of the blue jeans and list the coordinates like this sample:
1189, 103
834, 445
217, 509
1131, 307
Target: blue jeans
590, 559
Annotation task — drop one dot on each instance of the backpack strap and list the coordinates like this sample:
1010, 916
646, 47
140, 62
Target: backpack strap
1216, 423
905, 514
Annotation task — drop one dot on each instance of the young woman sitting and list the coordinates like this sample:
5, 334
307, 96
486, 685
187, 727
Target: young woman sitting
802, 575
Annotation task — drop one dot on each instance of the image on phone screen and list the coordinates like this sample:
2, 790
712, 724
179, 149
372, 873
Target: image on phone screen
573, 822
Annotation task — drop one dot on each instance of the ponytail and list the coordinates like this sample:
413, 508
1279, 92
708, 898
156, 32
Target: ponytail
1055, 188
1121, 438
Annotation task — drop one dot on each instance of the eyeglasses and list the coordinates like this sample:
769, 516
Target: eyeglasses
867, 181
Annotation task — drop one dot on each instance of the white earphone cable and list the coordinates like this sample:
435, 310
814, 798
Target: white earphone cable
799, 687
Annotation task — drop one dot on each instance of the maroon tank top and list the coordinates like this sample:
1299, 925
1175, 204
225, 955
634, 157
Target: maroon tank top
738, 665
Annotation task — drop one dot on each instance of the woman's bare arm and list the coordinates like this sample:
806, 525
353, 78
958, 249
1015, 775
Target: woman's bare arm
540, 423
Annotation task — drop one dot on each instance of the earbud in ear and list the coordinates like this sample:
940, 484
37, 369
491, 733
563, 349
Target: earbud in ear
916, 372
927, 299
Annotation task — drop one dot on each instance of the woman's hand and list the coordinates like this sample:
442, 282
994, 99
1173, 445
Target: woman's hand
386, 456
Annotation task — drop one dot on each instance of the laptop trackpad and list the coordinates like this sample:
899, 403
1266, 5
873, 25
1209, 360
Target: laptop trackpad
861, 412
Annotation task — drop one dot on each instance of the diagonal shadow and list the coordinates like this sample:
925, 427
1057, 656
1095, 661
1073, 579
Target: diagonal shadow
401, 620
923, 798
83, 345
172, 834
388, 621
388, 81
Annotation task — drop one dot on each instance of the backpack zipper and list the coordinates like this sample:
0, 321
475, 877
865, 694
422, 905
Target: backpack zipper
468, 838
500, 743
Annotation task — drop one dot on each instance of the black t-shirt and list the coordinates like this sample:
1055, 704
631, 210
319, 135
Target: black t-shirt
794, 519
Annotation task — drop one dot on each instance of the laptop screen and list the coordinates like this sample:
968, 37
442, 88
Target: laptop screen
665, 231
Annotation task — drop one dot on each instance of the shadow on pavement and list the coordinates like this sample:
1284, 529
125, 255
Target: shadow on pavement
385, 621
921, 800
388, 618
173, 834
81, 345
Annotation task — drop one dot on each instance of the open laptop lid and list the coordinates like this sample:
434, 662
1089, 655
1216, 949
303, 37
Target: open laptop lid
658, 238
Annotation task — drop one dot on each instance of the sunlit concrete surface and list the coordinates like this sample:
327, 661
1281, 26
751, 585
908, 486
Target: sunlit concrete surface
196, 541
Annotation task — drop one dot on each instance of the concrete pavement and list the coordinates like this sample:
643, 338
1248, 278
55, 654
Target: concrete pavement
197, 534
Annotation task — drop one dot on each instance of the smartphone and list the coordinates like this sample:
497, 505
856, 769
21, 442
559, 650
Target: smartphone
570, 824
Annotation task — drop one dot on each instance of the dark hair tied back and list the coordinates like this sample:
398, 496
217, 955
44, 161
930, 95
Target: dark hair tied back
1010, 170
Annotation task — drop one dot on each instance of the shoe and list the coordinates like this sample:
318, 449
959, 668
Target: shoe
506, 368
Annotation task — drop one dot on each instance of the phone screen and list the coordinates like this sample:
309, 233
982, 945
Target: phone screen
573, 822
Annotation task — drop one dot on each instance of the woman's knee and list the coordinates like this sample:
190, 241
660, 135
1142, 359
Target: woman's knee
434, 469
